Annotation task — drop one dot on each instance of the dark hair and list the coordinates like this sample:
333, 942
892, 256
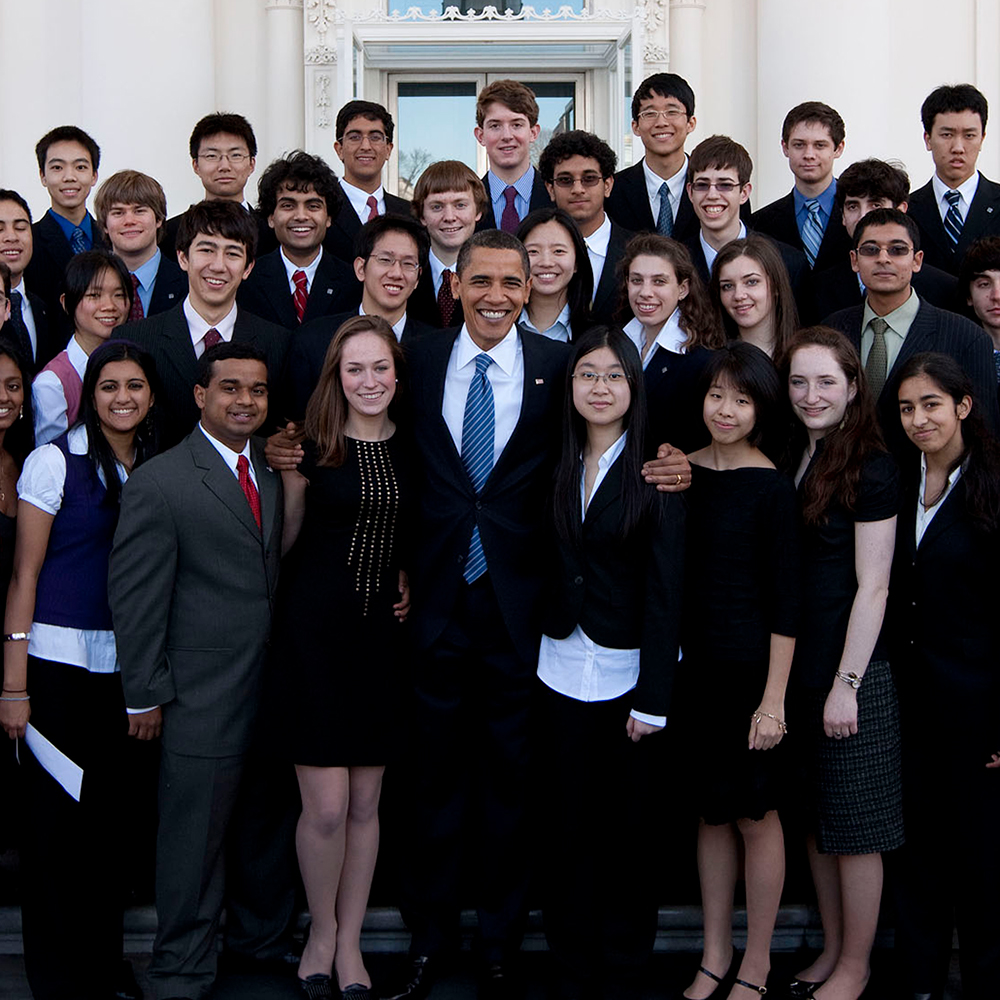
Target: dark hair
222, 122
980, 458
445, 176
637, 499
19, 440
698, 318
225, 219
982, 256
84, 269
951, 100
226, 350
576, 142
835, 473
750, 371
99, 450
7, 195
719, 152
513, 95
873, 179
581, 285
886, 217
663, 85
363, 109
785, 315
814, 111
67, 133
371, 232
130, 187
327, 410
5, 279
491, 239
298, 171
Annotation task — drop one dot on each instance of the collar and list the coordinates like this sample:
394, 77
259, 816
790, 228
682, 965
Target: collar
310, 269
671, 336
229, 456
77, 357
597, 241
608, 458
359, 198
523, 185
397, 328
198, 326
504, 354
967, 190
146, 273
953, 477
710, 252
558, 331
899, 320
67, 227
675, 184
438, 268
825, 199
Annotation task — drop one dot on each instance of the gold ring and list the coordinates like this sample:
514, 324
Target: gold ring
679, 479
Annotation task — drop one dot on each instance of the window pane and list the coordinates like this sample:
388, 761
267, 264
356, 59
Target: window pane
556, 110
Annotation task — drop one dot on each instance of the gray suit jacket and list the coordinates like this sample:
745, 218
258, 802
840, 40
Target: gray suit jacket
191, 586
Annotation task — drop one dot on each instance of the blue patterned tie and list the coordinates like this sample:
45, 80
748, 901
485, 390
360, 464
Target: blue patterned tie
665, 220
477, 452
952, 218
812, 231
78, 240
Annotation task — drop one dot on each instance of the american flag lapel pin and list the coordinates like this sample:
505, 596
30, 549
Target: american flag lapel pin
539, 381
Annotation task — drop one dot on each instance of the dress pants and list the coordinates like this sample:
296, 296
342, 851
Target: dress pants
72, 854
469, 782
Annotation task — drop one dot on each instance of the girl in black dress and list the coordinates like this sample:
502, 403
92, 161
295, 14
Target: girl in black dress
943, 610
841, 686
741, 586
344, 595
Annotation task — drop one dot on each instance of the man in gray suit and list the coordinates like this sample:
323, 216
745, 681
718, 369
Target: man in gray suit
192, 581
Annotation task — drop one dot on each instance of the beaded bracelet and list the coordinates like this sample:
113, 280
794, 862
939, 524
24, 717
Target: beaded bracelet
17, 637
758, 715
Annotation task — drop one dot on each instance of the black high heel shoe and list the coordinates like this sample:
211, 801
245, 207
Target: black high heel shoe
803, 989
725, 979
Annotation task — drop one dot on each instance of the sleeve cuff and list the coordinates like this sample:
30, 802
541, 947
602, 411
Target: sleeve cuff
140, 711
650, 720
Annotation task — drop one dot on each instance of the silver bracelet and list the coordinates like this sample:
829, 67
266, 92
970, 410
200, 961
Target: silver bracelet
17, 637
852, 678
27, 697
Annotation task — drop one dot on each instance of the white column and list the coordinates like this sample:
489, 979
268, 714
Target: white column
285, 76
321, 98
686, 41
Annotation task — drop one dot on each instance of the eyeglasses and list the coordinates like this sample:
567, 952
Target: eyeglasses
234, 158
671, 115
385, 260
608, 378
723, 187
356, 138
893, 250
568, 180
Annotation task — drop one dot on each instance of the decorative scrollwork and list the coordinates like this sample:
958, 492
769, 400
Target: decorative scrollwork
321, 55
321, 14
490, 13
323, 102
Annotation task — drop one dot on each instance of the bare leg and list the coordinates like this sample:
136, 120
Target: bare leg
861, 894
319, 842
826, 879
356, 880
717, 875
765, 878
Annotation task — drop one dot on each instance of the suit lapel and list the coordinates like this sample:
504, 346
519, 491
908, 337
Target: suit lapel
607, 493
947, 514
981, 218
929, 218
439, 351
220, 481
920, 337
268, 485
181, 350
275, 283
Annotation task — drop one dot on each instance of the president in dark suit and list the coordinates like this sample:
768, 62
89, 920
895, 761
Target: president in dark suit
192, 580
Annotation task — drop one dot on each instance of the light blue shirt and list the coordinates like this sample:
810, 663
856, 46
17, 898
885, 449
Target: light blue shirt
67, 227
826, 200
146, 273
559, 330
522, 200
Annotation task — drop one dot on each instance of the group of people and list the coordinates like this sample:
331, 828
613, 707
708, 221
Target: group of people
550, 461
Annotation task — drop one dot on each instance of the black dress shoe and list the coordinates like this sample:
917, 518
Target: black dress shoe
803, 989
317, 987
421, 979
356, 992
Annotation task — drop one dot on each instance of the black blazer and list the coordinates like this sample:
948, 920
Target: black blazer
167, 338
932, 329
170, 287
50, 337
510, 508
343, 231
837, 288
605, 301
626, 593
983, 219
673, 400
777, 220
539, 199
304, 361
424, 307
265, 292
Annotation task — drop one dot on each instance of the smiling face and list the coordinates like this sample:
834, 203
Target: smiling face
653, 290
224, 165
300, 221
493, 289
507, 136
954, 143
450, 219
122, 397
718, 205
11, 392
215, 267
389, 275
578, 188
818, 389
553, 259
132, 229
811, 152
729, 413
68, 176
745, 293
931, 419
664, 135
363, 150
103, 307
15, 238
367, 374
234, 404
601, 402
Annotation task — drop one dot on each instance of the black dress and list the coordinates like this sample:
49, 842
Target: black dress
742, 585
336, 638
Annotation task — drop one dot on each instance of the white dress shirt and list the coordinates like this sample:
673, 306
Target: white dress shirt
675, 188
967, 190
597, 250
359, 199
28, 315
671, 336
710, 252
229, 456
198, 326
397, 328
926, 514
506, 376
49, 399
438, 267
310, 270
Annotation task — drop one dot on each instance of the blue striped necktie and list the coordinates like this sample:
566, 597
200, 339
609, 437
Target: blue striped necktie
952, 218
665, 220
812, 231
477, 452
78, 240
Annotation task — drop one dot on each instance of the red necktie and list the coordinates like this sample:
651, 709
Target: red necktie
249, 490
136, 312
211, 338
510, 220
446, 301
372, 208
300, 295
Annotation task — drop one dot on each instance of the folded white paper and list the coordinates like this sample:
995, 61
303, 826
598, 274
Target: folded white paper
64, 770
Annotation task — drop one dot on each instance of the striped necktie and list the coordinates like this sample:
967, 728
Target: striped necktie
78, 240
953, 221
300, 296
136, 312
665, 220
878, 357
477, 452
812, 231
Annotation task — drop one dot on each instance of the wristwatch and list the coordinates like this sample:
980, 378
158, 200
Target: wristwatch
851, 678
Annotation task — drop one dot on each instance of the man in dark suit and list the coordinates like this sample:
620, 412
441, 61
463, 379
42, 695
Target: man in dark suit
863, 186
131, 208
215, 247
894, 324
223, 151
979, 283
192, 581
299, 196
364, 142
449, 200
579, 173
68, 159
29, 324
812, 137
506, 126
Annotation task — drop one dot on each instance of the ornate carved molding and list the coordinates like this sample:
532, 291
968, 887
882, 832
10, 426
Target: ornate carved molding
653, 53
321, 55
651, 14
321, 14
321, 86
283, 5
488, 13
